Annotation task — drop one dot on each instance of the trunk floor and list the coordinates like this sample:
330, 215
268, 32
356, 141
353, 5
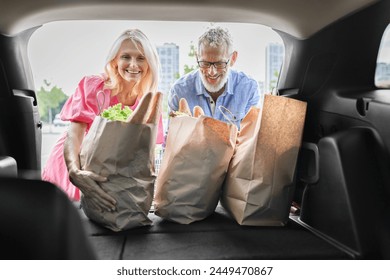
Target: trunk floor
216, 237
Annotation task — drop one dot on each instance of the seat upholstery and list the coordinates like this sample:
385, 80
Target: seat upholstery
8, 167
39, 222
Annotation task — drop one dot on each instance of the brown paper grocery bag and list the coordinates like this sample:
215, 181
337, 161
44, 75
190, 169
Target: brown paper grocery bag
196, 158
258, 188
124, 153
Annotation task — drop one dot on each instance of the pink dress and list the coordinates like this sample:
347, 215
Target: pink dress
82, 106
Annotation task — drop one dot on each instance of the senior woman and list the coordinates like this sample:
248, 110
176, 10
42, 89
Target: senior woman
131, 70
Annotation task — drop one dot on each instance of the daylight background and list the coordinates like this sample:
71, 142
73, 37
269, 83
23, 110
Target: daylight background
61, 53
64, 52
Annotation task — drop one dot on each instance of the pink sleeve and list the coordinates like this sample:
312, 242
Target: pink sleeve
82, 106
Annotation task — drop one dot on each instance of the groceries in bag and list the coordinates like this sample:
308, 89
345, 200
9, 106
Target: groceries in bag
123, 151
197, 154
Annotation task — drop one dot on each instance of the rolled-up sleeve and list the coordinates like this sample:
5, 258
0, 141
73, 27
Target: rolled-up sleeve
254, 96
83, 106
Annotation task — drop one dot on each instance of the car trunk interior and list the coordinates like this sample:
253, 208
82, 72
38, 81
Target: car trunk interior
342, 183
216, 237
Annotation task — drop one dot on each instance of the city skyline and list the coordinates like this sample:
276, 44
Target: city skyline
169, 55
64, 52
273, 62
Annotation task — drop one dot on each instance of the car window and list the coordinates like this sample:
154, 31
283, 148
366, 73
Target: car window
382, 73
61, 53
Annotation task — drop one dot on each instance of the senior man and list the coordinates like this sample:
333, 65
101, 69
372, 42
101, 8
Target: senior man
222, 92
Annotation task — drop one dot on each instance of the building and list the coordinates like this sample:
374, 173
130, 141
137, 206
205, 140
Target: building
261, 87
382, 75
169, 60
274, 55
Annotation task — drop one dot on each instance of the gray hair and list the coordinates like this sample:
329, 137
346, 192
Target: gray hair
216, 37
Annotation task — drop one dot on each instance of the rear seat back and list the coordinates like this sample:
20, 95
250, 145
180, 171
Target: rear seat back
39, 222
8, 167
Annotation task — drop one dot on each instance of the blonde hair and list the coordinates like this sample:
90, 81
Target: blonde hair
150, 82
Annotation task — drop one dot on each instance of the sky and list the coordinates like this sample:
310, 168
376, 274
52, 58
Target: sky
63, 52
384, 53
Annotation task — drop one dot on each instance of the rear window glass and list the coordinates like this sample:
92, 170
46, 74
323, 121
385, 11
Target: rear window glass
382, 73
61, 53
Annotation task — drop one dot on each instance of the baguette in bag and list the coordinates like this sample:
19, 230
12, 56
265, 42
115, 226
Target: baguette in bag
196, 158
124, 152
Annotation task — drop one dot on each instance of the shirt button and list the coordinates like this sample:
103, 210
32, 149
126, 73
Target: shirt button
211, 101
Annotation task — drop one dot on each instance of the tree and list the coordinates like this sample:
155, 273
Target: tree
191, 53
187, 69
273, 82
50, 101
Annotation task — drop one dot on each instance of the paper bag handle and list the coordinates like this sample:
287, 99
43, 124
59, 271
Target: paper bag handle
275, 91
100, 105
229, 119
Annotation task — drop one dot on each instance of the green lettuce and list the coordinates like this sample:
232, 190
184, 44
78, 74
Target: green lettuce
117, 113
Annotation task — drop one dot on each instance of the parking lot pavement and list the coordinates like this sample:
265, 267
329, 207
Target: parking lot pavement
50, 128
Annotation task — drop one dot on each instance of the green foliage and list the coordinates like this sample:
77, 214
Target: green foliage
191, 53
117, 113
50, 98
273, 82
188, 69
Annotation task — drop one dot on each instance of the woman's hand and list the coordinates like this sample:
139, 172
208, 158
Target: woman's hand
86, 181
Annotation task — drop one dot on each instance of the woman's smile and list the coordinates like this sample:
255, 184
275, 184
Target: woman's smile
132, 64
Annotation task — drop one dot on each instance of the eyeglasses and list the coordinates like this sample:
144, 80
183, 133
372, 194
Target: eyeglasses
217, 65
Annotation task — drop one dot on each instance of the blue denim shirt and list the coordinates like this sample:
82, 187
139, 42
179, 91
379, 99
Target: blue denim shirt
241, 93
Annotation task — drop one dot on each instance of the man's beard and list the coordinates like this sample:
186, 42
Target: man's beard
216, 87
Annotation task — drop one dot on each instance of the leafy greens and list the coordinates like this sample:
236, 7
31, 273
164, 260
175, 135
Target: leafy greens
117, 113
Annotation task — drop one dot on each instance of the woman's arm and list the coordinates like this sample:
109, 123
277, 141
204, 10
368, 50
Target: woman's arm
86, 181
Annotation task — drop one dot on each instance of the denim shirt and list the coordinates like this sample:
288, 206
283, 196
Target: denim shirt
241, 93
